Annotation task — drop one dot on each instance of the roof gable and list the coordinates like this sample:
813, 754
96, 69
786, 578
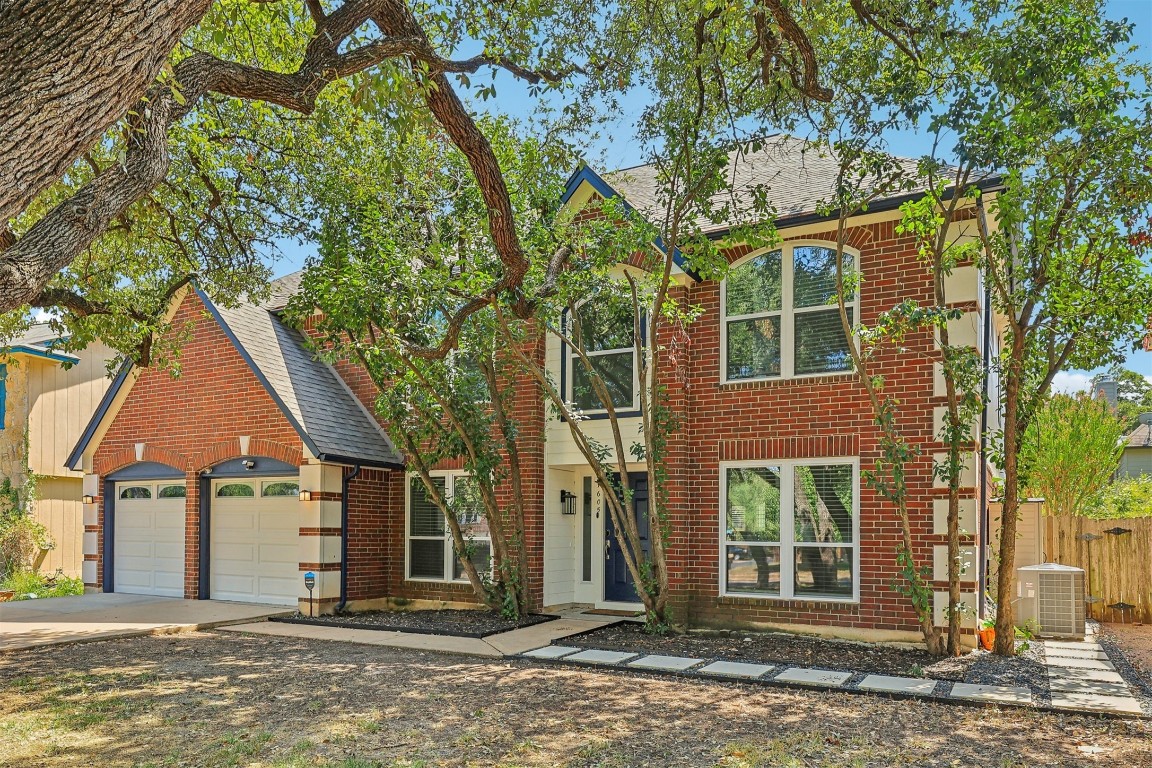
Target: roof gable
331, 422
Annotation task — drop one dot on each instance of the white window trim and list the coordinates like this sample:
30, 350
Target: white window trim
449, 549
787, 313
571, 359
787, 543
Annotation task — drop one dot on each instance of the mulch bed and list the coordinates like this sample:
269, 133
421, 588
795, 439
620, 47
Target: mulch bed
805, 651
450, 622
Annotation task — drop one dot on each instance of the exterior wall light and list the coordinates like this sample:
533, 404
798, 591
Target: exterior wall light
88, 499
305, 495
567, 503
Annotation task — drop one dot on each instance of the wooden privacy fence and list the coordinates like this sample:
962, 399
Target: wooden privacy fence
1118, 565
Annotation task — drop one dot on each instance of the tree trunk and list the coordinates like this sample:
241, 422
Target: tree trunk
68, 72
1006, 570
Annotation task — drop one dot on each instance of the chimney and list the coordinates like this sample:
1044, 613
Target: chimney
1106, 388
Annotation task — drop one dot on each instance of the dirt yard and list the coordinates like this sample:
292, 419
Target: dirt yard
220, 699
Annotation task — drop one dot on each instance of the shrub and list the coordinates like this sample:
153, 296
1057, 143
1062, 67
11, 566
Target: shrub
28, 584
1127, 497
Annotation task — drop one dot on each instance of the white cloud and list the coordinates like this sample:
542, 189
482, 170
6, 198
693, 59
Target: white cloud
1069, 382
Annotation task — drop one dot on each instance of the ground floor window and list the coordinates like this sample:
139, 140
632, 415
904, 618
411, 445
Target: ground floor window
431, 554
790, 529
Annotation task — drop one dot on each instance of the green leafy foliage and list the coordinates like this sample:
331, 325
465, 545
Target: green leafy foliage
1071, 450
30, 585
1127, 497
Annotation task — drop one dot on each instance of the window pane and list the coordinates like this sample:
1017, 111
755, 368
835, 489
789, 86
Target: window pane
754, 348
617, 373
605, 323
426, 558
425, 518
280, 489
823, 503
480, 555
753, 569
823, 572
820, 343
586, 540
172, 492
814, 278
468, 506
753, 504
136, 492
235, 489
754, 286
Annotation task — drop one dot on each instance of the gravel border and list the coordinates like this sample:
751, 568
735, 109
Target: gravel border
1140, 686
453, 618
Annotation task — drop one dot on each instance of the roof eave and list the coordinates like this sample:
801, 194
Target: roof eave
585, 175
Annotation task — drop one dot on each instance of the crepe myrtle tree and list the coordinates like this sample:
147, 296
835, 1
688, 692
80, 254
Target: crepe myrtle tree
402, 248
1065, 242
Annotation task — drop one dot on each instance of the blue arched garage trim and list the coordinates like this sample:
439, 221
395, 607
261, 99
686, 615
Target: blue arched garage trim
243, 466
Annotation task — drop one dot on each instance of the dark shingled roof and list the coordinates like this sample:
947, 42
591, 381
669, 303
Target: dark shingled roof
331, 420
798, 177
1141, 437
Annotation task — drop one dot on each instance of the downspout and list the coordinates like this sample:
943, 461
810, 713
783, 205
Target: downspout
986, 386
344, 537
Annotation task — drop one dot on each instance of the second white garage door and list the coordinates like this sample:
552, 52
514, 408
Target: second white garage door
254, 544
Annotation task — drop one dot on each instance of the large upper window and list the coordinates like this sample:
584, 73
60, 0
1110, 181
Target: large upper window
606, 328
779, 315
790, 529
431, 554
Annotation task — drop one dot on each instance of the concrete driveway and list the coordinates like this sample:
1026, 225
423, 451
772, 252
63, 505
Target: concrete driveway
59, 620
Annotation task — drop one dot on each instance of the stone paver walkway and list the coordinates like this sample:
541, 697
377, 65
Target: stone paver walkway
1072, 687
1081, 678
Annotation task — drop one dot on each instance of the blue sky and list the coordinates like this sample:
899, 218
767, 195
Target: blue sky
614, 148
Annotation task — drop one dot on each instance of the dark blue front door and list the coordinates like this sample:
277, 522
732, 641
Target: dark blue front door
618, 583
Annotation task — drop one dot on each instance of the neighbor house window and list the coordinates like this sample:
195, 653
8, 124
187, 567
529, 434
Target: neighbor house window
606, 328
431, 554
779, 315
790, 529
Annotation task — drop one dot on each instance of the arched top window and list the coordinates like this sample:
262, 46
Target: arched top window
235, 489
779, 315
280, 488
136, 492
173, 492
605, 327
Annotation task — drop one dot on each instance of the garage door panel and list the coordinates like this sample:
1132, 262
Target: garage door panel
255, 548
148, 550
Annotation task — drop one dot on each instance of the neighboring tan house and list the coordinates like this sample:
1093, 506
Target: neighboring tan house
260, 463
1137, 457
47, 395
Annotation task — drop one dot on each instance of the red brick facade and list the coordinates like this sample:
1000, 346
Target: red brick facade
195, 420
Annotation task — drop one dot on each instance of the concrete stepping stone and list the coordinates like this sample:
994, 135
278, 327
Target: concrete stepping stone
601, 657
1074, 653
1100, 675
736, 669
993, 694
664, 663
1067, 663
1094, 702
1073, 685
1089, 645
910, 685
551, 652
823, 678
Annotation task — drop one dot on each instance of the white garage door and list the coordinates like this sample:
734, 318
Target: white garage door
254, 551
148, 538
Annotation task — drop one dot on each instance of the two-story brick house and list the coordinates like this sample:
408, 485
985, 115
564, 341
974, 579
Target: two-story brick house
259, 463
